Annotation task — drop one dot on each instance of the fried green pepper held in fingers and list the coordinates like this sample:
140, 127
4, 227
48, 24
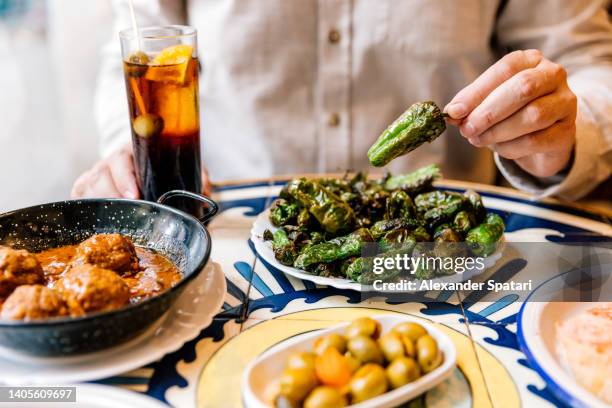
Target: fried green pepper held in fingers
482, 240
333, 214
334, 250
422, 122
415, 181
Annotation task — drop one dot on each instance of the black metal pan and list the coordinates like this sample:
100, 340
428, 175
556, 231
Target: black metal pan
175, 234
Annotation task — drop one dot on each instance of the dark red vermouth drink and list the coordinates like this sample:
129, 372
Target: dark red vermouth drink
162, 91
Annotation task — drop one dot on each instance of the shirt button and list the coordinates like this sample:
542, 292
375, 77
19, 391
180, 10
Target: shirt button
334, 120
333, 36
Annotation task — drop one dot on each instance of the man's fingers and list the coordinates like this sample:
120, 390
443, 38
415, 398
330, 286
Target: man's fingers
122, 171
100, 184
512, 95
537, 115
78, 189
541, 141
471, 96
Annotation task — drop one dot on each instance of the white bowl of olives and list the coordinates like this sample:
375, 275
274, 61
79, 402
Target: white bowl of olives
377, 362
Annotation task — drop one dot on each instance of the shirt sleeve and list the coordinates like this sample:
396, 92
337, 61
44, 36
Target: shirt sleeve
578, 35
110, 104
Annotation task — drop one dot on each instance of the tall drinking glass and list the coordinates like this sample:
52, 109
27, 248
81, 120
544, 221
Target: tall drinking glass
161, 77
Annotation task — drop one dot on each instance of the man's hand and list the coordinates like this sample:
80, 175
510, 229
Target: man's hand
523, 108
115, 177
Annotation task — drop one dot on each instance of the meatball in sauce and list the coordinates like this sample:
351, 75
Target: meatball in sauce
17, 267
30, 302
102, 273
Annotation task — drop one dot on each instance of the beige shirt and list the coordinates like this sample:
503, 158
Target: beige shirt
291, 86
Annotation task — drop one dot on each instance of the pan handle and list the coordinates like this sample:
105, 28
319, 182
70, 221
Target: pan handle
211, 208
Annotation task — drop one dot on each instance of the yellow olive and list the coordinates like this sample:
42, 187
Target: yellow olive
402, 371
137, 64
365, 349
363, 326
428, 355
148, 125
352, 362
410, 329
325, 397
409, 348
391, 346
330, 340
301, 360
368, 382
296, 383
283, 402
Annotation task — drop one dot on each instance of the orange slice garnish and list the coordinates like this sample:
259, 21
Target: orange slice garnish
170, 65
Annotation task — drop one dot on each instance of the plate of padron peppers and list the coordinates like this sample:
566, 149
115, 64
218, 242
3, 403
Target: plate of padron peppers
333, 231
371, 362
320, 229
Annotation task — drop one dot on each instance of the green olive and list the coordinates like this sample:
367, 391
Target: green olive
283, 402
137, 66
410, 329
148, 125
368, 382
363, 326
365, 349
330, 340
402, 371
301, 360
391, 346
428, 355
325, 397
296, 383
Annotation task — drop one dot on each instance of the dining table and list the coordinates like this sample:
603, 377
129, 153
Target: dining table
263, 306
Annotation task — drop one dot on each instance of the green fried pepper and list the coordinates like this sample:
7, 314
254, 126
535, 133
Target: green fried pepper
362, 269
334, 215
464, 221
283, 212
400, 238
415, 181
482, 240
334, 250
284, 249
439, 206
327, 270
422, 122
448, 242
381, 227
478, 207
399, 205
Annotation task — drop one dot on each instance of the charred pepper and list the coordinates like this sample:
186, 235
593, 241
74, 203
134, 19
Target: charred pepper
334, 250
482, 240
334, 215
284, 249
400, 205
422, 122
415, 181
283, 212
